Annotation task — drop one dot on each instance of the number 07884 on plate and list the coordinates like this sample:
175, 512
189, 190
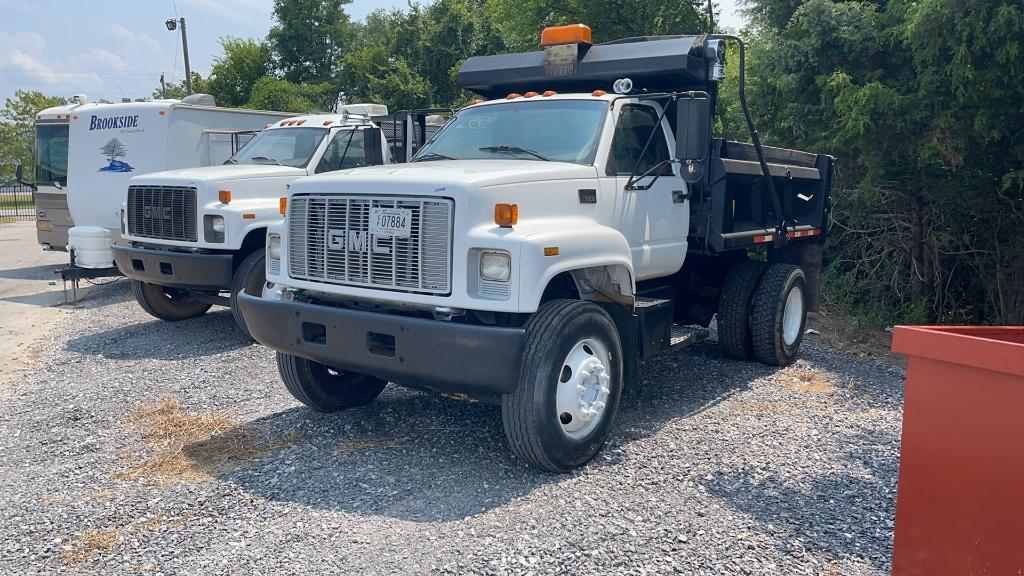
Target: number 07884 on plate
394, 222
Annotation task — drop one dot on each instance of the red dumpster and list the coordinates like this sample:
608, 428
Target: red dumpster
960, 504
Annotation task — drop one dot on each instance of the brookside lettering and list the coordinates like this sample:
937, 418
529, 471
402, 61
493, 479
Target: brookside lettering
97, 123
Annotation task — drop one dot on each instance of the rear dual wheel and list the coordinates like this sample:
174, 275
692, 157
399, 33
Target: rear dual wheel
762, 312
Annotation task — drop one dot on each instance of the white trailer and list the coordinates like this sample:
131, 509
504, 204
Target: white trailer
191, 235
111, 143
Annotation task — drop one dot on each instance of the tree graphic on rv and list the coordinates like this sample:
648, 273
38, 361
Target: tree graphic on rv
113, 150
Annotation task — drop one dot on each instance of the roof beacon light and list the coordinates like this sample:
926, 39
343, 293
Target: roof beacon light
623, 86
571, 34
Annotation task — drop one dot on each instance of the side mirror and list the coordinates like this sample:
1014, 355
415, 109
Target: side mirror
693, 136
373, 147
19, 176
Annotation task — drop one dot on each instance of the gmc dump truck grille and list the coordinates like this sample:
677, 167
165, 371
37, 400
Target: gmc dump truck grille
329, 241
165, 212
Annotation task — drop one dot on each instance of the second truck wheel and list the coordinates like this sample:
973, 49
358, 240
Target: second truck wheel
326, 389
167, 303
250, 276
571, 381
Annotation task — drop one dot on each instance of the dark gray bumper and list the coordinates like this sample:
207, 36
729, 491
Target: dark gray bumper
175, 269
432, 354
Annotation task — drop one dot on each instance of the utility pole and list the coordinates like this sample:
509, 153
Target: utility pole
172, 25
163, 88
711, 21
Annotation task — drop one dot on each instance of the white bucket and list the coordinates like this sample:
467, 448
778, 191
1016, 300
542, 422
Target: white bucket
92, 246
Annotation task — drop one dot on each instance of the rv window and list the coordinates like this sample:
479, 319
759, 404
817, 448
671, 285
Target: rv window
346, 150
281, 146
558, 130
52, 154
636, 122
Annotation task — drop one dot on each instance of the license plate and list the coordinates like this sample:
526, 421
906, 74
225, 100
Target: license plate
394, 222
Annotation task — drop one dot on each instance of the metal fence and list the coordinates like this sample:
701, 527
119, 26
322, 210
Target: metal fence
16, 204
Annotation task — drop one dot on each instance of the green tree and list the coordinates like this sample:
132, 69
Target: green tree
371, 75
179, 90
309, 38
236, 71
919, 100
17, 129
269, 93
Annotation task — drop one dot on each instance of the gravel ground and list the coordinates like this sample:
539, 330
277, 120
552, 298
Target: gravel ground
716, 467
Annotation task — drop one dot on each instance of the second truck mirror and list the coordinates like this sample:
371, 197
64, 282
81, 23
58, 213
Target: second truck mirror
372, 145
693, 126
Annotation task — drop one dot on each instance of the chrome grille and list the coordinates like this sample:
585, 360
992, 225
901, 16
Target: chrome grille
419, 263
165, 212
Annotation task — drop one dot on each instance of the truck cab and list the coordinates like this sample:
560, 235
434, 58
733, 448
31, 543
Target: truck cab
195, 237
576, 218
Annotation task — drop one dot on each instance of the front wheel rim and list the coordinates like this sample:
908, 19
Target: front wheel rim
584, 384
792, 316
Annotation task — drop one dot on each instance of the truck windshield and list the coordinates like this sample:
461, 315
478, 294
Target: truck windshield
281, 146
52, 154
557, 130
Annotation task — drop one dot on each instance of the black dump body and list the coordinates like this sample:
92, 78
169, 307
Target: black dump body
731, 204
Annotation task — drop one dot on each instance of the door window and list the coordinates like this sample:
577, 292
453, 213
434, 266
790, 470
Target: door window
346, 150
636, 122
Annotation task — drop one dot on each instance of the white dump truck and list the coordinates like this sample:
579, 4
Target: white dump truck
546, 239
195, 237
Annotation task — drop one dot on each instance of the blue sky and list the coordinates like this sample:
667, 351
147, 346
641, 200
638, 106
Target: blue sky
110, 48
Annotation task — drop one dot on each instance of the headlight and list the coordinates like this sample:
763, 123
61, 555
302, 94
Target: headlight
495, 266
213, 228
274, 246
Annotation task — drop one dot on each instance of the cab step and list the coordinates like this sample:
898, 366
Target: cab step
683, 336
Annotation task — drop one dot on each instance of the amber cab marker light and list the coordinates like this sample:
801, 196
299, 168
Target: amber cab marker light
328, 122
475, 101
284, 205
551, 251
530, 95
506, 215
513, 96
224, 196
571, 34
548, 93
598, 93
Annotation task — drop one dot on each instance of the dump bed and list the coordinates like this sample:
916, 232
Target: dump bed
732, 209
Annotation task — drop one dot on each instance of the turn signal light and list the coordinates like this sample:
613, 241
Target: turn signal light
505, 215
284, 205
571, 34
224, 196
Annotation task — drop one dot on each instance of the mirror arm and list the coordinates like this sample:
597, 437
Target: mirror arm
632, 184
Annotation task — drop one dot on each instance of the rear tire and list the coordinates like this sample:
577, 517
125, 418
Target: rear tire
570, 384
250, 276
778, 314
734, 309
167, 303
325, 389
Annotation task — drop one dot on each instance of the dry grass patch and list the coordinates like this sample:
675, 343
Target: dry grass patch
88, 544
195, 447
812, 381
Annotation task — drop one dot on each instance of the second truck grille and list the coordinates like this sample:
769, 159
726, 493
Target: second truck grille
419, 263
165, 212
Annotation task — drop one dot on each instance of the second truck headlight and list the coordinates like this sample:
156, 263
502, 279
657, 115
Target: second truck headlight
495, 266
274, 247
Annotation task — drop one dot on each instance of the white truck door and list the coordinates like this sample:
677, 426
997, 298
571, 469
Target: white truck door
654, 221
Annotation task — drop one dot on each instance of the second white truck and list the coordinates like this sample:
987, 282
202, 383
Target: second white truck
194, 238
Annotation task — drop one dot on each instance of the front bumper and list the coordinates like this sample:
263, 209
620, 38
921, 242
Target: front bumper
175, 269
432, 354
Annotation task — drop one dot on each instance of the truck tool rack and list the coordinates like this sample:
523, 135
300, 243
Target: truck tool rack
577, 218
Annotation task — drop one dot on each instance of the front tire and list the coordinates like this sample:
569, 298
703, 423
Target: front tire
325, 389
562, 412
250, 276
167, 303
778, 314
